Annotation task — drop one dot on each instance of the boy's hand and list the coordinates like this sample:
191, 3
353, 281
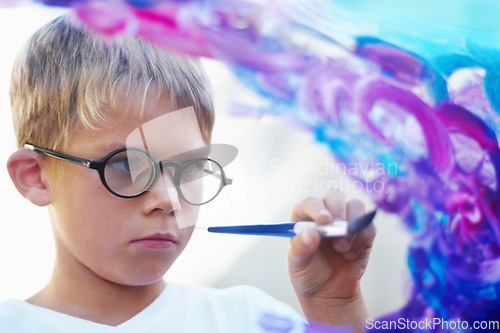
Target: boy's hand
326, 273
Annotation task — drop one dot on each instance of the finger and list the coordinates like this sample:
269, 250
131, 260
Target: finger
311, 209
302, 248
354, 208
362, 244
335, 201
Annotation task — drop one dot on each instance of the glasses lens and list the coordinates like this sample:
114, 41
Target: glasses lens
129, 172
201, 181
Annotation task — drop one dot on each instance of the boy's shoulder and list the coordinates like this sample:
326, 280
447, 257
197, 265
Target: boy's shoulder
183, 307
20, 316
11, 312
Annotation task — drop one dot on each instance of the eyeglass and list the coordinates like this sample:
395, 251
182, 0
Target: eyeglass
129, 172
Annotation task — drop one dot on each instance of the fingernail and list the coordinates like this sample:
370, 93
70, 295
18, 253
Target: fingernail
307, 237
326, 213
342, 244
333, 190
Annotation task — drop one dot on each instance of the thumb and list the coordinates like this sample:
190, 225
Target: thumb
302, 248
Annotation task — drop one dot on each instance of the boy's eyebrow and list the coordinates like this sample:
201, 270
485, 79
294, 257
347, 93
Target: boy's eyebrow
201, 152
220, 152
108, 147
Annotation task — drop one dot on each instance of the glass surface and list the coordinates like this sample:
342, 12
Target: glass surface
129, 172
201, 181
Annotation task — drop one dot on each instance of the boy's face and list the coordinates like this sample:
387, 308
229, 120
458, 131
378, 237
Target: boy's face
126, 241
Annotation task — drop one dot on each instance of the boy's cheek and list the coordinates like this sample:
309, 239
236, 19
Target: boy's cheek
186, 217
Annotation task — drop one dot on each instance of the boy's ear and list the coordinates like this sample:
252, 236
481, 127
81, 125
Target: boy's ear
25, 170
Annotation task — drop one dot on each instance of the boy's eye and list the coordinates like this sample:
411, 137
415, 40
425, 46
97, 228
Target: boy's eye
195, 167
129, 172
119, 164
129, 163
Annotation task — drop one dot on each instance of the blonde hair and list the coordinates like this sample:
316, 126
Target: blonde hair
66, 78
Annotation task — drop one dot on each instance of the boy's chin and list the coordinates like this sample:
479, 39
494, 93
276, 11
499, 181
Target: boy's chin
140, 276
142, 281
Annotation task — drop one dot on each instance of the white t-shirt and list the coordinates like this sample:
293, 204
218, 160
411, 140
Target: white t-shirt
179, 308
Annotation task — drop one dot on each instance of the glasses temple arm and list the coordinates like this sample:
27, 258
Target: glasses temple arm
229, 181
61, 156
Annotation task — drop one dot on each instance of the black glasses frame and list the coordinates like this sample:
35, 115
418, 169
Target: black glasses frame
158, 166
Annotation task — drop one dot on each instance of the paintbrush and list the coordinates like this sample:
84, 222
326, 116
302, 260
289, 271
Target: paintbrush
338, 228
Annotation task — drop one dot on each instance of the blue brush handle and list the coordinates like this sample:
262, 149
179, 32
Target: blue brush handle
278, 230
335, 229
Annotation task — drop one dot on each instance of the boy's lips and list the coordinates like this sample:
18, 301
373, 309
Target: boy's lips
156, 241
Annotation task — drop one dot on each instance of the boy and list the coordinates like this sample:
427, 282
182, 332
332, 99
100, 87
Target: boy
110, 106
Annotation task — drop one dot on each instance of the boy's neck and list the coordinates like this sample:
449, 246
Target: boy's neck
92, 298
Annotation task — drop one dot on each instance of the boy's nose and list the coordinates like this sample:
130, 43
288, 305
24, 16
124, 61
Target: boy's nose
164, 193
